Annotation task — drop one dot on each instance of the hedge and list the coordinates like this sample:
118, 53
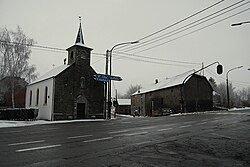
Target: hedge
18, 114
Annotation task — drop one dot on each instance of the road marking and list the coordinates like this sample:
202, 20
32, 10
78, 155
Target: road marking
145, 128
126, 122
14, 131
219, 135
202, 123
50, 129
160, 130
144, 142
120, 131
175, 124
99, 139
144, 121
134, 134
83, 126
76, 137
189, 122
28, 142
108, 124
38, 148
185, 126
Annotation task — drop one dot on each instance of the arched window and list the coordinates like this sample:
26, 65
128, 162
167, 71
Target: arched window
37, 96
82, 82
30, 97
46, 95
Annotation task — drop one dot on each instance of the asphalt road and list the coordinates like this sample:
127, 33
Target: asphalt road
205, 139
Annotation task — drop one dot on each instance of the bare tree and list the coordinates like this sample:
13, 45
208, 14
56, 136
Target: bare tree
15, 50
132, 89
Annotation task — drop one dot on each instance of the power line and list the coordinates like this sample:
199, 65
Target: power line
164, 36
178, 22
209, 25
44, 48
158, 59
154, 62
181, 20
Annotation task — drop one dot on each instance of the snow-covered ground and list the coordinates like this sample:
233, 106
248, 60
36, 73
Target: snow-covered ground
9, 123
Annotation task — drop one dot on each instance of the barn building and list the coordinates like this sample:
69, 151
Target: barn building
68, 91
182, 93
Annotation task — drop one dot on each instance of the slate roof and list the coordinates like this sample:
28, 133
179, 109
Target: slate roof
166, 83
52, 73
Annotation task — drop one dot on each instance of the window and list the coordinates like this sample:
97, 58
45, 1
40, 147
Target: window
82, 82
30, 97
72, 55
37, 96
46, 95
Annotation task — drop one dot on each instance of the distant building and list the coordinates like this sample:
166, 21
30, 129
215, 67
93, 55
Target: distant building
6, 92
68, 91
195, 94
123, 106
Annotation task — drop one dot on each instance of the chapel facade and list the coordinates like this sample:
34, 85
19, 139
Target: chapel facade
68, 91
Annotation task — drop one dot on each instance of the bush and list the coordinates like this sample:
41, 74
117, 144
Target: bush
18, 114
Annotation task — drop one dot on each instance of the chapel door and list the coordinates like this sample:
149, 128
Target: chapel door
80, 110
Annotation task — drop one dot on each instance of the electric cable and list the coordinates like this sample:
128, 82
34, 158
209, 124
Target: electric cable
164, 36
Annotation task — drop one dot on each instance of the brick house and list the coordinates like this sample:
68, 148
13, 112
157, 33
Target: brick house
6, 92
195, 94
68, 91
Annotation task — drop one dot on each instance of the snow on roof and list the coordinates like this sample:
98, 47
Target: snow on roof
166, 83
52, 73
124, 102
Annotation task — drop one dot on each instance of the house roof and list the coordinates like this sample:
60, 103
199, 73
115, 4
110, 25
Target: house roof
52, 73
166, 83
123, 102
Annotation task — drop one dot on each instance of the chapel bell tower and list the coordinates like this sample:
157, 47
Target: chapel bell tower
79, 50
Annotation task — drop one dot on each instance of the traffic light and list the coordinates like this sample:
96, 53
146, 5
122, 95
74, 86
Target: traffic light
219, 69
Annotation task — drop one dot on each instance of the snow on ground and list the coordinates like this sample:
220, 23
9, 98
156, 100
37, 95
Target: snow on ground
9, 123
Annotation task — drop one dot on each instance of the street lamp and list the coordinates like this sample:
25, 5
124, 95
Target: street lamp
109, 52
228, 98
239, 24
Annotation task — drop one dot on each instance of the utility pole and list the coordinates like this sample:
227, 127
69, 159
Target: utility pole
105, 85
228, 97
110, 73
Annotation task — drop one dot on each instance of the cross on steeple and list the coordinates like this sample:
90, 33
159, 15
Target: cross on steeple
79, 37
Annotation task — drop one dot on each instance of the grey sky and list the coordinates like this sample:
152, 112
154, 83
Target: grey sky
105, 23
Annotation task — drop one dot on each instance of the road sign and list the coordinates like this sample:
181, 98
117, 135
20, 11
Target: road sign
106, 78
115, 78
101, 77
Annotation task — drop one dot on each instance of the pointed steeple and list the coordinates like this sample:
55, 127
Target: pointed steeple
79, 37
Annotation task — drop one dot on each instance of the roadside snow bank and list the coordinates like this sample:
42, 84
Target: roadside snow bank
7, 123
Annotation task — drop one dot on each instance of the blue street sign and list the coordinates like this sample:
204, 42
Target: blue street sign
115, 78
106, 78
101, 77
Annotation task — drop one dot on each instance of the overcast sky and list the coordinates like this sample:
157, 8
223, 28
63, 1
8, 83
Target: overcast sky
105, 23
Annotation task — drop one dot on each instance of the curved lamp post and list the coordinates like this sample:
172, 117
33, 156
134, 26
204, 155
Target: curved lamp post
228, 97
239, 24
182, 100
110, 72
